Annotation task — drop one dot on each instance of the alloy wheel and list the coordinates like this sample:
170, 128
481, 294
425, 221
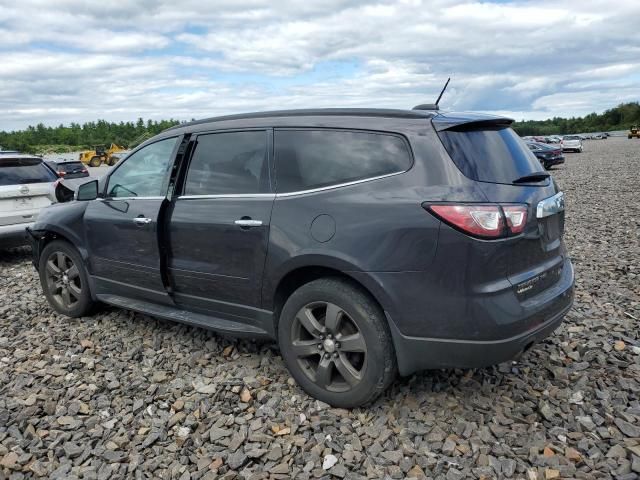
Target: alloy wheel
329, 346
63, 279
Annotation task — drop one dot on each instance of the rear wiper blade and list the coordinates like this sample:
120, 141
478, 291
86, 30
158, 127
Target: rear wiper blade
532, 177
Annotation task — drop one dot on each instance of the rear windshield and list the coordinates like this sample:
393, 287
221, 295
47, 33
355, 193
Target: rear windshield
489, 154
70, 167
24, 170
571, 137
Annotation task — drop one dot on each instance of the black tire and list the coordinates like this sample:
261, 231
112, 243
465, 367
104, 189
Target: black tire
62, 270
95, 161
112, 161
358, 373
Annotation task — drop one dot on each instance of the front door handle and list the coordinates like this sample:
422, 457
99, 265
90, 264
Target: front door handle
247, 222
142, 220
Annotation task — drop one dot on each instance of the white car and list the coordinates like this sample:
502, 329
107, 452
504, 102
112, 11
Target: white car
571, 143
26, 186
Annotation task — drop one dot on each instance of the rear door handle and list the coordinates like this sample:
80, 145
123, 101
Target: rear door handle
247, 222
142, 220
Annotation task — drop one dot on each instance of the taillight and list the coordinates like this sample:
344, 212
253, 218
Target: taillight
516, 217
61, 173
484, 221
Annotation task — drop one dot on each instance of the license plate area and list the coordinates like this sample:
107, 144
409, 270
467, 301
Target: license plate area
23, 203
539, 283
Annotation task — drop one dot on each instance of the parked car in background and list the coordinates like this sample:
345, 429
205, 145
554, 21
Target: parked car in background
366, 241
571, 143
68, 168
26, 186
553, 139
549, 155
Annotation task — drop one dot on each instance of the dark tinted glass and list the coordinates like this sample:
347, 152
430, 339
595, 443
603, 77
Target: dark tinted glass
229, 163
24, 170
496, 155
71, 167
307, 159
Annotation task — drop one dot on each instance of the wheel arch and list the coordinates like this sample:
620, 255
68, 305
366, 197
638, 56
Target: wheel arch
49, 233
278, 291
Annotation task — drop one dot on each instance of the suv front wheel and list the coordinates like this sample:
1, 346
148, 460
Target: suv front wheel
64, 279
336, 343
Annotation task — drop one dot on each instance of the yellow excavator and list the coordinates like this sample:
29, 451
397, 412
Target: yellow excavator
100, 154
634, 132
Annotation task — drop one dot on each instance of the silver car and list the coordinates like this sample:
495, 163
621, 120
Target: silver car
571, 143
26, 186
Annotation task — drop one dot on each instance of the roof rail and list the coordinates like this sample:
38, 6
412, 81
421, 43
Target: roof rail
426, 106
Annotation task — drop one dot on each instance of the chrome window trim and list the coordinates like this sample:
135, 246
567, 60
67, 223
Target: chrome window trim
289, 194
134, 198
265, 196
550, 206
339, 185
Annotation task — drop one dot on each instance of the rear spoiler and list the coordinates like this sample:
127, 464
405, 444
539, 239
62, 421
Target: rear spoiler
468, 122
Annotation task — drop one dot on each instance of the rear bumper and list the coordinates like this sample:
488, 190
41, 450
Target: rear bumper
14, 235
555, 161
539, 316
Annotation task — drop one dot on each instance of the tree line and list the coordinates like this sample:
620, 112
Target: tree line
43, 139
619, 118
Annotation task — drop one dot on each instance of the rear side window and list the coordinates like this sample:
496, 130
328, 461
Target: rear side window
24, 170
308, 159
489, 154
229, 163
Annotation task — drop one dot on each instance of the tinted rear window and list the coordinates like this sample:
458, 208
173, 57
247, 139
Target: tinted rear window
70, 167
229, 163
489, 154
308, 159
24, 170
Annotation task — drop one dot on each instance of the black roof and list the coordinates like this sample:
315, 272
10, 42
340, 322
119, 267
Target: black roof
315, 112
63, 160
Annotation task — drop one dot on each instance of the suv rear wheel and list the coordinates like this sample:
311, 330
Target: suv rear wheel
64, 279
336, 343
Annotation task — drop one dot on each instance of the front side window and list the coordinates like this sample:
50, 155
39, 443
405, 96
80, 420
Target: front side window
144, 173
229, 163
308, 159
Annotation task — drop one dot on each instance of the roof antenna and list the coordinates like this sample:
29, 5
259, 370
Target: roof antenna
433, 106
442, 92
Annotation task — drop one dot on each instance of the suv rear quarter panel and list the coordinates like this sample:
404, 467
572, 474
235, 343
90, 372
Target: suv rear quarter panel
380, 225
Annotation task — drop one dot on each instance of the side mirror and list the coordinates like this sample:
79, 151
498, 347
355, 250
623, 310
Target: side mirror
87, 191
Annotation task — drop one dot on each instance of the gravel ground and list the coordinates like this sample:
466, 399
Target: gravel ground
122, 395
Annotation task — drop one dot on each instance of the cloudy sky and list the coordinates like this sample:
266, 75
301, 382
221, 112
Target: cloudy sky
72, 60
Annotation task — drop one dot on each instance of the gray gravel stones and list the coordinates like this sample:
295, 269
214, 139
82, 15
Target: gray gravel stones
122, 395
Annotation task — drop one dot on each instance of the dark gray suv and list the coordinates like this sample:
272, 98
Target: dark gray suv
367, 242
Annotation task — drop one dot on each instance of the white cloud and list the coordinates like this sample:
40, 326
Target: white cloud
72, 60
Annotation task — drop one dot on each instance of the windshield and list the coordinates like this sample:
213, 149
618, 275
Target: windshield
493, 154
24, 170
